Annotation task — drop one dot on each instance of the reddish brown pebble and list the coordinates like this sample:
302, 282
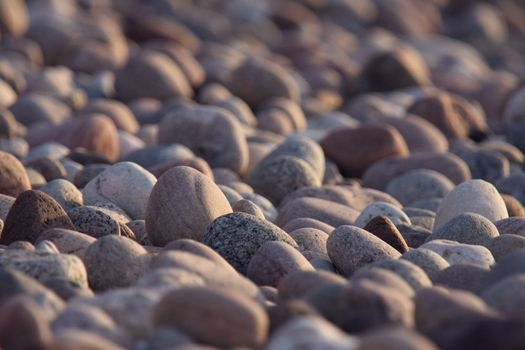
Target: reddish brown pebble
32, 213
354, 150
384, 228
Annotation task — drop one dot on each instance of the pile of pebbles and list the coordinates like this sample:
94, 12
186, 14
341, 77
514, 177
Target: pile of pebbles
245, 174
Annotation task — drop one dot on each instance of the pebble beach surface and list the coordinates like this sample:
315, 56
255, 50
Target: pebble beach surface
264, 175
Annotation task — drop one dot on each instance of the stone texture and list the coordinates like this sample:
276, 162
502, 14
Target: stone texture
350, 248
476, 196
384, 228
182, 204
238, 236
32, 213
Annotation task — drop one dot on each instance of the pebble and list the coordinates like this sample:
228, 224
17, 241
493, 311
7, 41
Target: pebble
91, 319
277, 177
273, 261
6, 202
419, 185
88, 173
514, 207
128, 259
130, 308
385, 278
461, 253
429, 261
483, 164
23, 326
297, 283
512, 225
67, 241
396, 215
419, 134
44, 266
152, 156
215, 135
328, 212
410, 272
114, 184
268, 209
95, 222
117, 111
337, 175
384, 228
378, 175
257, 81
189, 308
14, 179
65, 193
50, 169
351, 247
462, 276
213, 275
200, 249
238, 236
507, 266
300, 223
32, 213
468, 228
311, 332
18, 283
475, 196
310, 239
301, 147
248, 207
182, 204
151, 74
505, 244
505, 295
387, 143
513, 185
95, 132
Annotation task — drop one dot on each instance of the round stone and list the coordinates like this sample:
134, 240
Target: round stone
64, 192
13, 176
257, 81
215, 135
429, 261
44, 266
182, 204
200, 312
277, 177
151, 74
273, 261
126, 184
351, 247
450, 165
396, 215
460, 253
384, 228
469, 228
419, 184
476, 196
238, 236
410, 272
114, 261
32, 213
369, 144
